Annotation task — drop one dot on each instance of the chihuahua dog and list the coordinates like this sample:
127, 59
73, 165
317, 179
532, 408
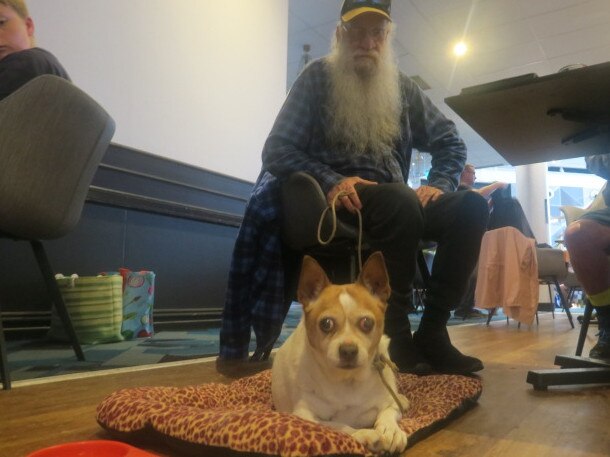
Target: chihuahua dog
334, 368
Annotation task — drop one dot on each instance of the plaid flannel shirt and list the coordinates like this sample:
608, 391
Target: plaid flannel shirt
298, 142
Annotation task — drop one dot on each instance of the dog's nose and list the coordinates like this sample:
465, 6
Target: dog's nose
348, 352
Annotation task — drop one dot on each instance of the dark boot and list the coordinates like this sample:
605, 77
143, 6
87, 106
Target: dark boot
436, 347
407, 357
402, 350
602, 349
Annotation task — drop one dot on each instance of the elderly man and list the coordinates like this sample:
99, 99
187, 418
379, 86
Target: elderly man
20, 61
468, 178
351, 120
588, 242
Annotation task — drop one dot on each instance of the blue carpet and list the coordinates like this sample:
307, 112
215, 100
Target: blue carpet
38, 358
29, 359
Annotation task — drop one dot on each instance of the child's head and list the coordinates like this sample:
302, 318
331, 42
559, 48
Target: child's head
19, 6
16, 27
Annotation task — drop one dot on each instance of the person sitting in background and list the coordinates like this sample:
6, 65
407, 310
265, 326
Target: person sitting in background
508, 212
468, 178
588, 242
505, 211
20, 61
465, 308
351, 120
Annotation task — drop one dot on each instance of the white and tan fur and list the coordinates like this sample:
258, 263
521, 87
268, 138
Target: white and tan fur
327, 376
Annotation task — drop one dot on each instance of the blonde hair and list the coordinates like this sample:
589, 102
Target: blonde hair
19, 6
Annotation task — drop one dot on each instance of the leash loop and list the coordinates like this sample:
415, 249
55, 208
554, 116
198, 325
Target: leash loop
333, 209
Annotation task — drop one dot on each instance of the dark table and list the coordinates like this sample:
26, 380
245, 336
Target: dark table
530, 119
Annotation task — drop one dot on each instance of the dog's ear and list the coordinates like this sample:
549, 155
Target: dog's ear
311, 282
374, 276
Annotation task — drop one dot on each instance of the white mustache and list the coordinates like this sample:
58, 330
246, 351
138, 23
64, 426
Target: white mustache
367, 54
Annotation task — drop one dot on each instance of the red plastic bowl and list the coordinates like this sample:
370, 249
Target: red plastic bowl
100, 448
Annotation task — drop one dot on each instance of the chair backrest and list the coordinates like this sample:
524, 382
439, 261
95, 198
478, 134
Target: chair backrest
598, 202
52, 138
571, 213
551, 264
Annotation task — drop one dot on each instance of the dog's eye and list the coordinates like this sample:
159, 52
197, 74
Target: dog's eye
366, 324
327, 325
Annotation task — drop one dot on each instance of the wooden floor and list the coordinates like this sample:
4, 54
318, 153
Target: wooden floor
511, 420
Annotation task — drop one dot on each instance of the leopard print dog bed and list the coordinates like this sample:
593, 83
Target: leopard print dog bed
239, 419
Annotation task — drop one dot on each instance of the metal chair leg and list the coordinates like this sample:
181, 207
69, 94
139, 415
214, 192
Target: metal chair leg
5, 375
569, 297
564, 304
419, 290
58, 301
490, 314
423, 268
586, 319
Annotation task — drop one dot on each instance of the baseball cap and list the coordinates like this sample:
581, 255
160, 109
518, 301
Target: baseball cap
354, 8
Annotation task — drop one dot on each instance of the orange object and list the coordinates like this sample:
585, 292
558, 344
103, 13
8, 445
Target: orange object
99, 448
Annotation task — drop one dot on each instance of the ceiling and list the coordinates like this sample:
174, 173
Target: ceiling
506, 38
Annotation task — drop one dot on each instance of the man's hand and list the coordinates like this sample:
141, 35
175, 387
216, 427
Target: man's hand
350, 202
427, 194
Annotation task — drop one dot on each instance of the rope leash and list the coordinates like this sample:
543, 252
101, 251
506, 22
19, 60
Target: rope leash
333, 208
380, 362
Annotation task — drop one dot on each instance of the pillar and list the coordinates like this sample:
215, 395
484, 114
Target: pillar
533, 195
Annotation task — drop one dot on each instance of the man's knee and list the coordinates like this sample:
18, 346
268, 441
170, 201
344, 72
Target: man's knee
396, 202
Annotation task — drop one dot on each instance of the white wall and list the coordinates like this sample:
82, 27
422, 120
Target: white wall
199, 81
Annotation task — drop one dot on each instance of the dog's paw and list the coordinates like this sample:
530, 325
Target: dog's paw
393, 438
370, 438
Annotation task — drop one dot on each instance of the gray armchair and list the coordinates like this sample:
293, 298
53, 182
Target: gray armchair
52, 138
303, 203
552, 270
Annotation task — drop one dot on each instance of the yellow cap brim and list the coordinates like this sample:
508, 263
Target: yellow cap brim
365, 9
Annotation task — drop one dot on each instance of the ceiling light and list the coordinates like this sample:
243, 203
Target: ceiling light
460, 49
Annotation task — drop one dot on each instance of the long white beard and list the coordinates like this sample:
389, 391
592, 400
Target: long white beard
365, 102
